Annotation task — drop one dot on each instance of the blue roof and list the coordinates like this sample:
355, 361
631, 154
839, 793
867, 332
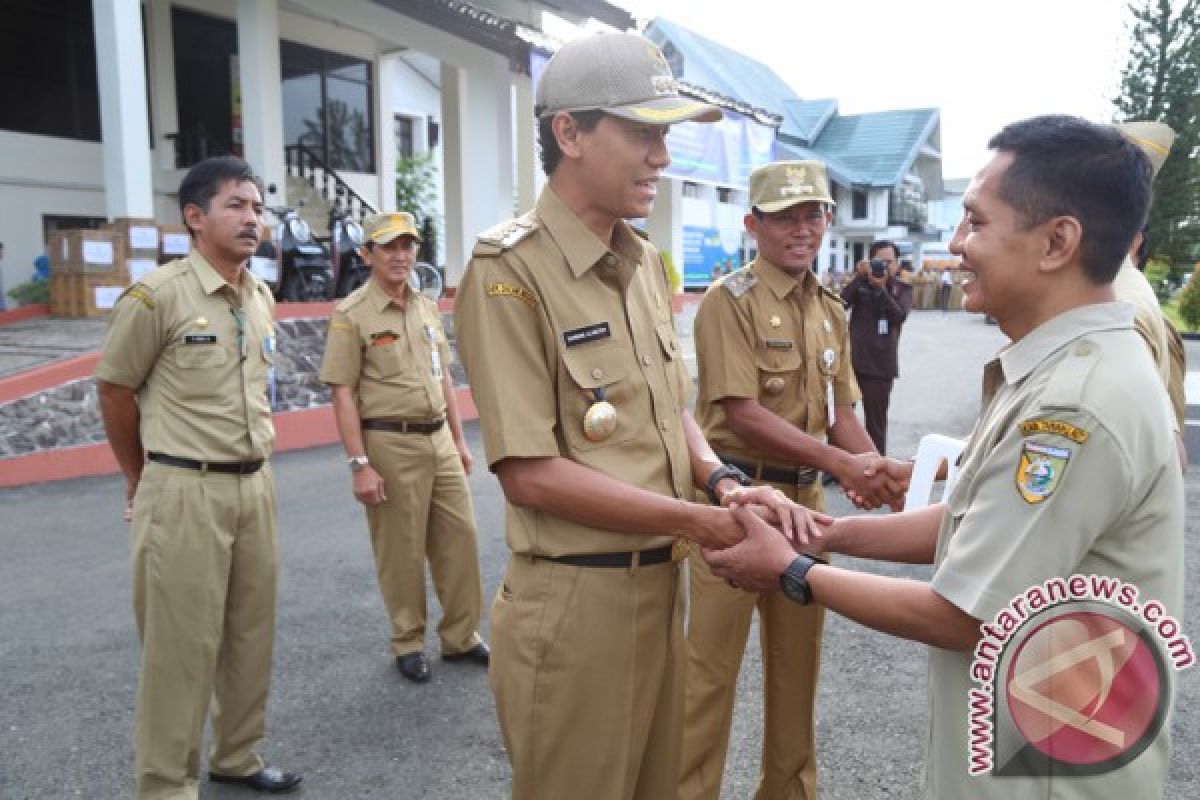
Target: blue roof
881, 146
874, 149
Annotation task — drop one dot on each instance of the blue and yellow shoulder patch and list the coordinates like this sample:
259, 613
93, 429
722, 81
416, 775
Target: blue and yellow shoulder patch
1040, 470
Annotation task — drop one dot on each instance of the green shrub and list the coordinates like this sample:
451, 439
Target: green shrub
1189, 302
30, 294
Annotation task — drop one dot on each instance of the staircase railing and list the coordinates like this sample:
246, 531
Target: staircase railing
306, 164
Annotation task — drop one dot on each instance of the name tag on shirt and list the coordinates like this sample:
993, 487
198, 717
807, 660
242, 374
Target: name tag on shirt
588, 333
200, 338
780, 344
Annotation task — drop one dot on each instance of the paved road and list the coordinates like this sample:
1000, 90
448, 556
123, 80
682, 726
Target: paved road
341, 713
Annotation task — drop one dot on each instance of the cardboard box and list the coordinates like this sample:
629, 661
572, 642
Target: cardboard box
63, 295
96, 295
174, 242
83, 251
137, 236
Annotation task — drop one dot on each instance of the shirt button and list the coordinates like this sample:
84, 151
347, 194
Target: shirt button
597, 373
610, 259
646, 360
665, 425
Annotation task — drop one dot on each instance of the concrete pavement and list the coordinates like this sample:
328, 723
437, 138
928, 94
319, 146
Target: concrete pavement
340, 712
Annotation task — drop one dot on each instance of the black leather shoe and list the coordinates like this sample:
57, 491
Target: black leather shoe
479, 655
414, 666
268, 779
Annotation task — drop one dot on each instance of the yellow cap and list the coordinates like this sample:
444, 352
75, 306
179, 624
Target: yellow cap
1155, 139
783, 184
383, 228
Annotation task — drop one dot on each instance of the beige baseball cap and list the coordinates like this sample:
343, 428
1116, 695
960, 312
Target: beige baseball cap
783, 184
621, 74
383, 228
1155, 139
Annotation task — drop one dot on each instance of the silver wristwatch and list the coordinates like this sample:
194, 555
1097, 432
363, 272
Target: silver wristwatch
357, 462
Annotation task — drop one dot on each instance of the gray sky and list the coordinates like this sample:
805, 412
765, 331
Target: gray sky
984, 64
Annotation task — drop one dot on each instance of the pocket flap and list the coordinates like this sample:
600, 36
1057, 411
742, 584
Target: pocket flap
670, 345
593, 367
199, 356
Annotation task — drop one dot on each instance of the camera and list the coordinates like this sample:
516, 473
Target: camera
879, 268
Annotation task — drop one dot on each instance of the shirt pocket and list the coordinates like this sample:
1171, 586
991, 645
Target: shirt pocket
780, 375
678, 379
385, 360
201, 369
592, 371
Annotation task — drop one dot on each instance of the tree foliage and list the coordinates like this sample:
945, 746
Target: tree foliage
1189, 302
1161, 81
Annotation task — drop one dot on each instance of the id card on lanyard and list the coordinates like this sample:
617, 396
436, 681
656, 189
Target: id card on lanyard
827, 360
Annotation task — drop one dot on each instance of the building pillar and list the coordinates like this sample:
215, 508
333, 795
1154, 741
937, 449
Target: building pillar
164, 106
526, 143
121, 74
385, 128
260, 77
454, 115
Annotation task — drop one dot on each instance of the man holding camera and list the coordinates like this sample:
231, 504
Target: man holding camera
879, 303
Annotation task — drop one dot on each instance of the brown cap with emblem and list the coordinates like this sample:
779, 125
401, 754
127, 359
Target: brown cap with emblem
383, 228
1155, 139
622, 74
783, 184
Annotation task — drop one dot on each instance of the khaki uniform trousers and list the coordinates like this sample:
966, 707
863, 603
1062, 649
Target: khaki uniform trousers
587, 672
428, 514
790, 636
205, 560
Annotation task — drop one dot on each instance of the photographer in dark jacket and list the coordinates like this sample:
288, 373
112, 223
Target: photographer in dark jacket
878, 302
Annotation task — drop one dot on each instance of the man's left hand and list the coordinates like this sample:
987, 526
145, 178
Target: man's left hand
796, 522
464, 454
755, 563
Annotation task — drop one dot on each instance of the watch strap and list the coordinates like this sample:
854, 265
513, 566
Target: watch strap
719, 474
794, 580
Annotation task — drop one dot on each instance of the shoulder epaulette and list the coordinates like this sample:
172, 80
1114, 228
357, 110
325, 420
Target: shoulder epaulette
830, 293
739, 282
167, 272
505, 236
1065, 388
640, 232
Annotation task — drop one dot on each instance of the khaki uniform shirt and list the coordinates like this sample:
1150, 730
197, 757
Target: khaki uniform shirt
1081, 390
1175, 386
393, 357
198, 351
762, 334
1132, 287
548, 318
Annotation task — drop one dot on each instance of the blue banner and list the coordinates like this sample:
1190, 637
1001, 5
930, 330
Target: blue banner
704, 257
725, 152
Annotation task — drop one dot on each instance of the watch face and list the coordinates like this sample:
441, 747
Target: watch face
794, 587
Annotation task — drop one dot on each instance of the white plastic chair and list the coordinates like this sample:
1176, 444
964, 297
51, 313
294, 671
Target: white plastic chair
933, 449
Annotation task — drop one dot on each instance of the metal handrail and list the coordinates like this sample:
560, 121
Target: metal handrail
305, 163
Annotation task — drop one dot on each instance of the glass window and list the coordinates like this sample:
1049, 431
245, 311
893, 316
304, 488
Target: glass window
858, 202
327, 106
405, 145
48, 69
691, 189
205, 73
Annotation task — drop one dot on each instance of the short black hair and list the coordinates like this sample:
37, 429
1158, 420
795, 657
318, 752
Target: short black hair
548, 148
202, 182
883, 244
1067, 166
1142, 256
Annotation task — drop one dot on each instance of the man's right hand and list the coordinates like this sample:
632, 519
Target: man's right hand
714, 528
872, 480
368, 486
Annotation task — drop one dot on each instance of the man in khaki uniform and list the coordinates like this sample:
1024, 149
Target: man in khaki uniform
776, 399
183, 385
564, 325
388, 361
1166, 346
1070, 471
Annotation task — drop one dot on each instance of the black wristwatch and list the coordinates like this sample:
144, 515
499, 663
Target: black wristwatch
794, 580
718, 475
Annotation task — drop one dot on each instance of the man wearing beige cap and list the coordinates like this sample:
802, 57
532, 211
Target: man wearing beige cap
387, 359
1166, 346
564, 325
775, 399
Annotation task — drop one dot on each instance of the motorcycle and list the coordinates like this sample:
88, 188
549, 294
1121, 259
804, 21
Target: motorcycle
291, 261
345, 240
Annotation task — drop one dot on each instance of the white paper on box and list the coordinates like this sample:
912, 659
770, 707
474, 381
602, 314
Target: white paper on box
106, 296
66, 250
97, 252
140, 268
176, 244
143, 237
264, 268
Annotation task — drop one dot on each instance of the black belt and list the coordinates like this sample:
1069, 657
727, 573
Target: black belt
646, 558
229, 468
404, 426
793, 476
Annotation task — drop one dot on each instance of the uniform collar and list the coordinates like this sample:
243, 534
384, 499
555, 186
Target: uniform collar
379, 298
1022, 356
780, 282
212, 282
582, 249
